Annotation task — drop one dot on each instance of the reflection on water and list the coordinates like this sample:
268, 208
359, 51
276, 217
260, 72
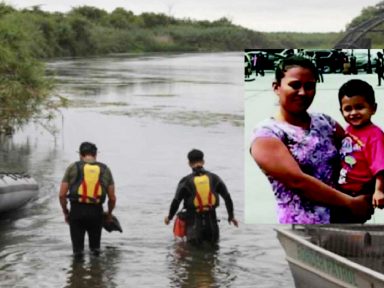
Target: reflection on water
192, 267
200, 267
94, 271
14, 157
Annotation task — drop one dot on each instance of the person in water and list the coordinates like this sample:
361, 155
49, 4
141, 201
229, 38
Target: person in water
200, 192
298, 151
362, 149
87, 183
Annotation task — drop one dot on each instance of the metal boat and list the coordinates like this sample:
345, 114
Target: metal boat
334, 256
16, 189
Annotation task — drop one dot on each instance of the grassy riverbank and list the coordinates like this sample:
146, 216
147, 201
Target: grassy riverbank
88, 30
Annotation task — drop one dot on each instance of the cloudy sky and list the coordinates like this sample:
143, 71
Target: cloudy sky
260, 15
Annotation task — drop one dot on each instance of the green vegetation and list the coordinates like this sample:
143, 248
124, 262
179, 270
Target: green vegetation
375, 37
366, 14
23, 85
304, 40
86, 31
30, 36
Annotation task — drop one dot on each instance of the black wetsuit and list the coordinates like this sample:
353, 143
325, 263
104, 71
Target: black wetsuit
85, 218
201, 226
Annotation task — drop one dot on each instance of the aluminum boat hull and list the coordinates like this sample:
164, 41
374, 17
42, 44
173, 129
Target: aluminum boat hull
316, 267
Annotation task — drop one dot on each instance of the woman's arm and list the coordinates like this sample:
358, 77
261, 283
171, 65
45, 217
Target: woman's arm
274, 159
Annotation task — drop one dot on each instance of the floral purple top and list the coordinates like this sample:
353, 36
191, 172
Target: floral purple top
315, 152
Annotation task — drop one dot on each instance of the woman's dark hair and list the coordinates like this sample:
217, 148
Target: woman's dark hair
293, 61
357, 87
195, 156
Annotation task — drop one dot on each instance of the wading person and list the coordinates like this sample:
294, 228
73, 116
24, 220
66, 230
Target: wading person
200, 192
298, 151
86, 184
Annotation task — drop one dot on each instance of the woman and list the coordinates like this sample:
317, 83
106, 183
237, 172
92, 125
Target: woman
298, 151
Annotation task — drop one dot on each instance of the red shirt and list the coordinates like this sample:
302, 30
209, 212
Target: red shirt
362, 155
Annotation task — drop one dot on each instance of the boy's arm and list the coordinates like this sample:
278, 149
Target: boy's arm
378, 195
374, 153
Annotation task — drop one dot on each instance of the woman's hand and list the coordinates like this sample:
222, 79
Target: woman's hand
361, 207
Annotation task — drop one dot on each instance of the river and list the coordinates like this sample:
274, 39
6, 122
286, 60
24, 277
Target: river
144, 112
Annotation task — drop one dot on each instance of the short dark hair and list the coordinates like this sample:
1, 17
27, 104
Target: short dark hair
195, 156
357, 87
87, 148
293, 61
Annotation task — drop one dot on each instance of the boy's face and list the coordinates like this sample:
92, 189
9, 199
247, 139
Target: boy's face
356, 110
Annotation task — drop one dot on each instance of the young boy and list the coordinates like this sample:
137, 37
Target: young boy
362, 149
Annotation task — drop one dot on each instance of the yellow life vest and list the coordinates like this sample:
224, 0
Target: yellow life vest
88, 188
204, 198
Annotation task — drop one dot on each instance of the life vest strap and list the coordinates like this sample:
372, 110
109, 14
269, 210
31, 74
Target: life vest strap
96, 197
84, 194
201, 207
90, 187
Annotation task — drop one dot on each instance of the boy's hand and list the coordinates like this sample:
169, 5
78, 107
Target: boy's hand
378, 199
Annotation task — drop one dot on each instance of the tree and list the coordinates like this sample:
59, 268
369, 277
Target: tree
24, 88
122, 19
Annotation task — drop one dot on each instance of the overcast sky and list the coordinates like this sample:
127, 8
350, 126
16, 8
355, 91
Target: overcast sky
260, 15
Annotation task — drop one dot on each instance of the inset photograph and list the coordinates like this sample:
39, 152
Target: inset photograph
313, 137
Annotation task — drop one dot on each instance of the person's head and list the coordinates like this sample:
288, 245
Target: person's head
87, 149
379, 54
195, 158
357, 102
295, 84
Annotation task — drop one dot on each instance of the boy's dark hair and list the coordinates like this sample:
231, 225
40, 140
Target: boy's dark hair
357, 87
87, 148
293, 61
195, 156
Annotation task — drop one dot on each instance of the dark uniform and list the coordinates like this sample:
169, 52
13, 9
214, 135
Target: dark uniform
86, 212
201, 220
379, 67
